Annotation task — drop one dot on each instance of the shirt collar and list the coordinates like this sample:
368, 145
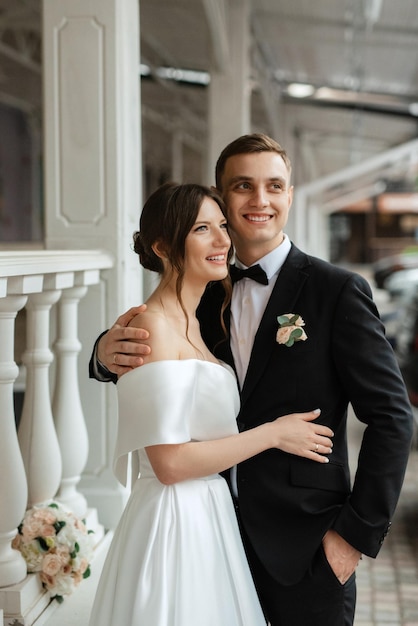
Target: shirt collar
273, 261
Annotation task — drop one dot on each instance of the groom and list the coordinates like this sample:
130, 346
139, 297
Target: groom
304, 525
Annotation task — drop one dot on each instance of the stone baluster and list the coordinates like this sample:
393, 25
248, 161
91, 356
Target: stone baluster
37, 436
66, 406
13, 485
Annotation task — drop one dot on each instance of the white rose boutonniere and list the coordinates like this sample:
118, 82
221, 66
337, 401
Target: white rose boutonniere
290, 329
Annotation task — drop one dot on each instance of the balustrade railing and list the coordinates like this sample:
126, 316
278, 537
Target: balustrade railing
44, 459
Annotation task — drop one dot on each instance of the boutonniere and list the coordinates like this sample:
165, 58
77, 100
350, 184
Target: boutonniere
290, 329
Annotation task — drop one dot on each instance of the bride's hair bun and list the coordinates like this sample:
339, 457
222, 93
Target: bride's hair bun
147, 257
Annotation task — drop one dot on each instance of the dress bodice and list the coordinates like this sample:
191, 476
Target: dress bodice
173, 402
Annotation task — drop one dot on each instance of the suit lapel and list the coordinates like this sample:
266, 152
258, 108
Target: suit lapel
282, 300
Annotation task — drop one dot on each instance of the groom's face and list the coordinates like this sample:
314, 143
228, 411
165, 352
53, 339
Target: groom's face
258, 195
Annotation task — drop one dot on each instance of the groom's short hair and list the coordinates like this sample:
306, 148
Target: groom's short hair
246, 144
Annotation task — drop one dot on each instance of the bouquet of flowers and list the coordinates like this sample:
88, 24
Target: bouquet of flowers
57, 544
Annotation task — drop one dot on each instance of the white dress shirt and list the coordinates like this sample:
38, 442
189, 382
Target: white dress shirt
249, 300
248, 303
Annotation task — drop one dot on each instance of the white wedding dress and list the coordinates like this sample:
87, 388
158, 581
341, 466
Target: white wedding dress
176, 558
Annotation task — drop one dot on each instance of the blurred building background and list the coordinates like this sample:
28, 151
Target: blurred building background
335, 83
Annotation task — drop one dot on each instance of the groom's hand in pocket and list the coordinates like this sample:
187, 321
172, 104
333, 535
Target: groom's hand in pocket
341, 556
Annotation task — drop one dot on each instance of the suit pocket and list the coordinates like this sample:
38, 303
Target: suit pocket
326, 476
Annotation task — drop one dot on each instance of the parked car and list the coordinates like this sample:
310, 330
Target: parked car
399, 284
406, 345
385, 267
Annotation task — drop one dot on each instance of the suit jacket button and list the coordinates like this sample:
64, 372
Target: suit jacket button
385, 533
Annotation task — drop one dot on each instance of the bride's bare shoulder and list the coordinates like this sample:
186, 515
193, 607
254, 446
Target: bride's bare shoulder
160, 338
152, 317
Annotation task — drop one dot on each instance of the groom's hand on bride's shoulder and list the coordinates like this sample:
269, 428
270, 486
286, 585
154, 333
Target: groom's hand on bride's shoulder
121, 349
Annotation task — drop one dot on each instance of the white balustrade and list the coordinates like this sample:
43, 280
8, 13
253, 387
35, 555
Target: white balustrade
66, 406
37, 436
47, 457
13, 487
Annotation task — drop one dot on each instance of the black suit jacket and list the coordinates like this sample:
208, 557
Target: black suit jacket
287, 503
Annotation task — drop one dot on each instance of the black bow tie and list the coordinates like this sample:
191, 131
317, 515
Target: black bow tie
255, 272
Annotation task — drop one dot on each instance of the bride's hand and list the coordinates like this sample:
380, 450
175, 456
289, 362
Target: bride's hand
298, 434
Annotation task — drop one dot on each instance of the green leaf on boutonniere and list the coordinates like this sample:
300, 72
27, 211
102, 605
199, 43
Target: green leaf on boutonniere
297, 333
284, 320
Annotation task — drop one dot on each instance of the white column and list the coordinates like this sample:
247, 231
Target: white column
37, 436
230, 86
66, 405
13, 486
177, 157
298, 219
93, 187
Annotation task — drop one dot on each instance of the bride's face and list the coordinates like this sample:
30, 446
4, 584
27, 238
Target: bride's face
207, 245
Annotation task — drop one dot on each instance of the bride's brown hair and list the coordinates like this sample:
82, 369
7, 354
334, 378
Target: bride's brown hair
166, 219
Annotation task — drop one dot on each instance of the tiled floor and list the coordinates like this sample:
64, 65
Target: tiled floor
387, 587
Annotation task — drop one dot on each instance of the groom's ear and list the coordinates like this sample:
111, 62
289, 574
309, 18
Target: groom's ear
290, 196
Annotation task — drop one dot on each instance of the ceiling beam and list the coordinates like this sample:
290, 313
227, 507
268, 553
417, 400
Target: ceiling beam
399, 110
406, 153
